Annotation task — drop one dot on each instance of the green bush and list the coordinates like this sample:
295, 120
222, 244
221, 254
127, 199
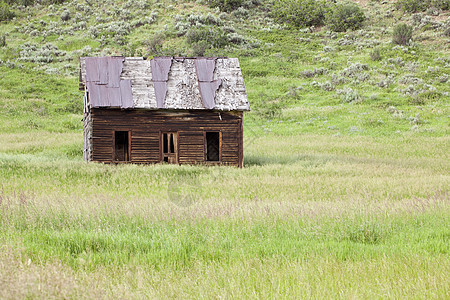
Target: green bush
342, 17
375, 55
32, 2
225, 5
402, 34
422, 5
412, 5
2, 40
209, 36
300, 13
5, 13
442, 4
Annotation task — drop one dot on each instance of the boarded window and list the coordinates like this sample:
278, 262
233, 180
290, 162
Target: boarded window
213, 146
169, 147
121, 145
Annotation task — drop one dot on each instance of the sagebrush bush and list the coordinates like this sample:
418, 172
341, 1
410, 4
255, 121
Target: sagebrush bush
65, 16
411, 5
441, 4
32, 2
5, 13
342, 17
375, 55
402, 34
155, 44
348, 95
207, 36
300, 13
225, 5
422, 5
2, 40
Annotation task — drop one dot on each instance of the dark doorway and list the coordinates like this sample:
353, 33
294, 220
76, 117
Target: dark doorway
213, 146
121, 146
169, 147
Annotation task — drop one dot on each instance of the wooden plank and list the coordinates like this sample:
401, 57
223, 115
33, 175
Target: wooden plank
146, 126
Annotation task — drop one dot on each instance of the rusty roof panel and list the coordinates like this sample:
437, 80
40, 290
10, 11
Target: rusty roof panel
161, 68
102, 65
160, 75
94, 94
208, 92
92, 73
160, 92
104, 85
112, 96
205, 69
115, 65
126, 94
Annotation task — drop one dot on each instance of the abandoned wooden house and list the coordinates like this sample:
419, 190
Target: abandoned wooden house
168, 109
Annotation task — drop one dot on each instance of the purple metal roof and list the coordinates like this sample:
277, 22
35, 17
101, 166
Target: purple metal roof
115, 66
160, 92
219, 83
126, 94
92, 72
205, 69
208, 92
205, 73
104, 85
160, 68
160, 75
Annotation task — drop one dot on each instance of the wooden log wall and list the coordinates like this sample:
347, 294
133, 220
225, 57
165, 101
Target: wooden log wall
146, 127
87, 130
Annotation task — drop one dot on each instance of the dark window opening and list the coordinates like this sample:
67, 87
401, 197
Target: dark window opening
165, 143
168, 143
169, 147
121, 147
171, 143
212, 146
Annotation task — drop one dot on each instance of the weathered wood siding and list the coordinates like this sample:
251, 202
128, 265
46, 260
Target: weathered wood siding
146, 127
87, 129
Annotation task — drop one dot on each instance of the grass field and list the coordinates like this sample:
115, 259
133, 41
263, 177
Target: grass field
344, 191
308, 216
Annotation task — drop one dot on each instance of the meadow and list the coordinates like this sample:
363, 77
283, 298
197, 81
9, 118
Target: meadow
344, 191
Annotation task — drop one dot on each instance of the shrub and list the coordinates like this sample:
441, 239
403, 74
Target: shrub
348, 95
300, 13
155, 44
65, 16
342, 17
441, 4
207, 36
412, 5
5, 13
32, 2
375, 55
402, 34
225, 5
2, 40
422, 5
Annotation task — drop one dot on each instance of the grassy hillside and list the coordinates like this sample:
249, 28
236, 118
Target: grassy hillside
344, 193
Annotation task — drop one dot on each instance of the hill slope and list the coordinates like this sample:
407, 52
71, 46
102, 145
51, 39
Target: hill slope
312, 79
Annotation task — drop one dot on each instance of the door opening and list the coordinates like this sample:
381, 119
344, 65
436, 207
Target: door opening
212, 146
121, 146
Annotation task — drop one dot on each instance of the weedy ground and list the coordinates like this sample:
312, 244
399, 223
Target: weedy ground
344, 193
